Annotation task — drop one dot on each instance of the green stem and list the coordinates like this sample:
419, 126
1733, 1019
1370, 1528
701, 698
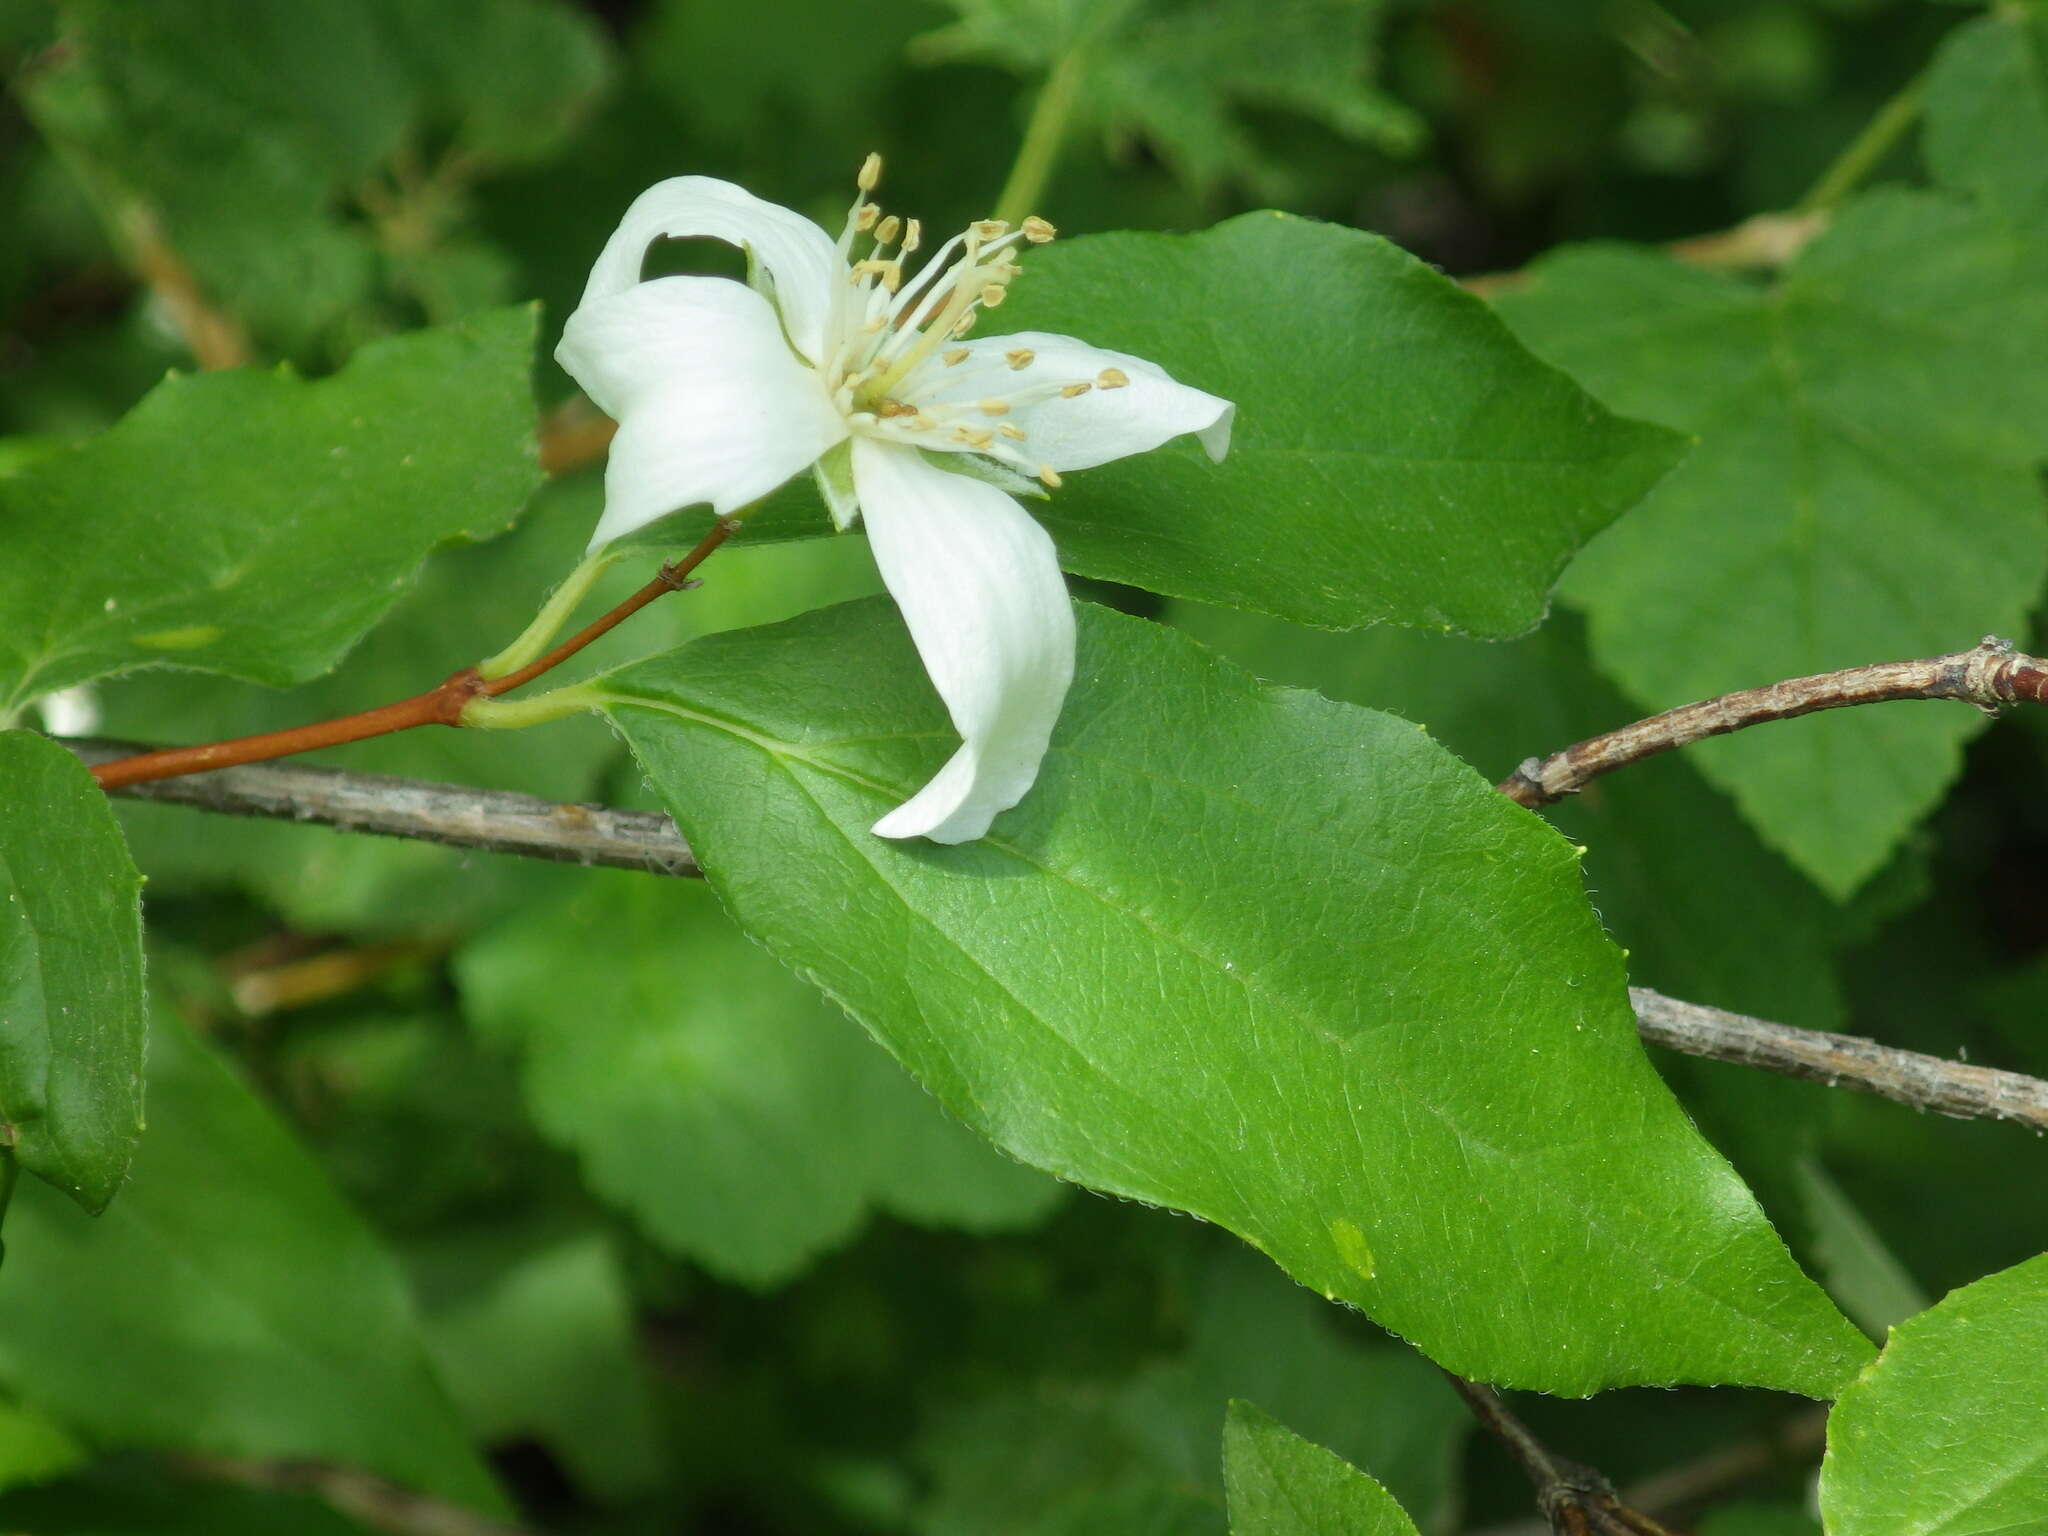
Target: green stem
516, 714
1880, 136
1042, 138
553, 615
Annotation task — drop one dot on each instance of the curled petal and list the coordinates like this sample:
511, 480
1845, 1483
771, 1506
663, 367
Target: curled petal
981, 591
1086, 429
712, 406
800, 261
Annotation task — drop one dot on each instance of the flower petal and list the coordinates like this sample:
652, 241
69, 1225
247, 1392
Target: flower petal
801, 261
1089, 429
981, 591
712, 406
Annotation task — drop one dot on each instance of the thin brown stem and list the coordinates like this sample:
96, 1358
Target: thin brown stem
1575, 1499
440, 705
362, 1496
1991, 674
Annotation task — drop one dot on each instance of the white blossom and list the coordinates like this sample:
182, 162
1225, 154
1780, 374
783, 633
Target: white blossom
837, 357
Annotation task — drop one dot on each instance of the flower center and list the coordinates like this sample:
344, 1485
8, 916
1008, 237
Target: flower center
886, 331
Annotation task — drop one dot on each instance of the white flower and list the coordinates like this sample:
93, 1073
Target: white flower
847, 366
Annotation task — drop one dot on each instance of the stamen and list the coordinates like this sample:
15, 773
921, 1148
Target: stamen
1112, 378
864, 219
1014, 434
1072, 391
992, 295
1037, 231
973, 437
895, 408
887, 231
994, 407
870, 173
1050, 476
957, 356
988, 229
964, 324
1019, 357
913, 236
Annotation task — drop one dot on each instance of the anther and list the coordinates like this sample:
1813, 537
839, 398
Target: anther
964, 324
870, 173
1071, 391
1019, 357
994, 407
1050, 476
988, 229
957, 356
865, 219
1112, 378
895, 408
913, 236
1037, 231
991, 295
1014, 434
887, 231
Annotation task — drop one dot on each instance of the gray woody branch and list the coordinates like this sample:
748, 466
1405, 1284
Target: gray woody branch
498, 821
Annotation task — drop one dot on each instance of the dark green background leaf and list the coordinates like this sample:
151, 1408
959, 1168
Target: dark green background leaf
71, 1008
741, 1120
235, 1303
1316, 983
1865, 490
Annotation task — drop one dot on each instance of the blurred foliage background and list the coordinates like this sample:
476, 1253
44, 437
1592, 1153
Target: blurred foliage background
646, 1234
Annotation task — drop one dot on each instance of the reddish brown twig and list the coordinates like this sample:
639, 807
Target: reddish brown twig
440, 705
1991, 674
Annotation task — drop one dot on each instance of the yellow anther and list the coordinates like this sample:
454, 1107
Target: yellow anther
921, 422
991, 295
865, 219
895, 408
1050, 476
988, 229
994, 407
1071, 391
973, 437
1112, 378
887, 231
957, 356
870, 173
1019, 357
1037, 231
1014, 434
964, 324
913, 236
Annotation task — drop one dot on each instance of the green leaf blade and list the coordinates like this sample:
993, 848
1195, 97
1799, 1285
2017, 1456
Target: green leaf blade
1864, 491
1397, 455
252, 1312
253, 525
1379, 1062
71, 1007
1283, 1485
1947, 1434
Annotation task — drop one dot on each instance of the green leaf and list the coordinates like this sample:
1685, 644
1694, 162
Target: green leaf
130, 1497
1745, 1519
71, 1010
1714, 916
34, 1450
729, 1108
1181, 77
1947, 1434
251, 1311
1987, 113
1397, 454
1283, 1485
1278, 962
242, 163
1865, 490
1061, 1453
255, 525
535, 1339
